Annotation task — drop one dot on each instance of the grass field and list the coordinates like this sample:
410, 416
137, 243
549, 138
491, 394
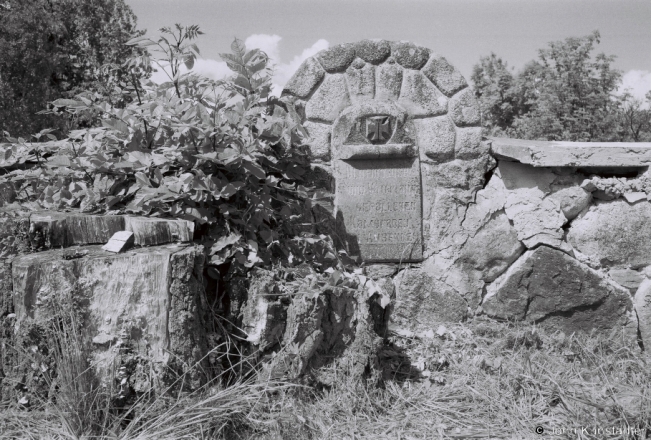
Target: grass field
475, 380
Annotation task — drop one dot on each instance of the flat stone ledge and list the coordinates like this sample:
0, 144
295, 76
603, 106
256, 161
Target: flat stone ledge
573, 154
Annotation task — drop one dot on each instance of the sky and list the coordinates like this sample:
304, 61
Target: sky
461, 30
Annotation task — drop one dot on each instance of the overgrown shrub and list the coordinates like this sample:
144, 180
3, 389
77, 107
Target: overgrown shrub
224, 154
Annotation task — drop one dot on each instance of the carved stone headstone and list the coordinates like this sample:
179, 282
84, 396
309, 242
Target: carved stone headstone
378, 195
380, 201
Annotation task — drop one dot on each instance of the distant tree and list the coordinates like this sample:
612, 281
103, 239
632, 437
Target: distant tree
494, 88
54, 49
635, 118
566, 94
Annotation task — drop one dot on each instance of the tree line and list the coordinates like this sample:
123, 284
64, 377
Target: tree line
568, 93
54, 49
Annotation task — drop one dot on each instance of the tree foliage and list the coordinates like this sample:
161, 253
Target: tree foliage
568, 93
223, 154
54, 49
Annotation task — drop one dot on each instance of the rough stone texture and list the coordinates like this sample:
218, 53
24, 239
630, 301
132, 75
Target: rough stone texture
642, 302
306, 78
419, 96
575, 154
463, 108
627, 278
408, 55
328, 100
492, 249
423, 302
319, 140
361, 80
143, 295
614, 233
264, 315
464, 174
536, 218
378, 271
445, 77
572, 200
435, 138
549, 287
329, 331
121, 241
373, 51
468, 144
337, 58
388, 81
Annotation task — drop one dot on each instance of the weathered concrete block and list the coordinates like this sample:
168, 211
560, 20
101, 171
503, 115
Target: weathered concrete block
574, 154
420, 97
492, 249
463, 108
444, 76
328, 100
551, 288
614, 233
423, 302
305, 80
537, 218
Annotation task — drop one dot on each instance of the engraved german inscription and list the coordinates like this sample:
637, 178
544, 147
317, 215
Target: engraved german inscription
380, 202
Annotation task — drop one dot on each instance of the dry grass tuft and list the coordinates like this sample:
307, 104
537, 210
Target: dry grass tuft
476, 380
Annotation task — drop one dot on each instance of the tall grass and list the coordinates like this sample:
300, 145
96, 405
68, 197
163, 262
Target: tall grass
475, 380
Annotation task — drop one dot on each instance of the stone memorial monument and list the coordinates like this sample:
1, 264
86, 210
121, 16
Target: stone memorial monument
452, 225
384, 119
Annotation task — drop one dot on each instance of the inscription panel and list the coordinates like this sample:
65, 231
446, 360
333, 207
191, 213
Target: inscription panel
379, 202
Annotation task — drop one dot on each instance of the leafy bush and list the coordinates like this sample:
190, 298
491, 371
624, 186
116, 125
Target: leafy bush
223, 154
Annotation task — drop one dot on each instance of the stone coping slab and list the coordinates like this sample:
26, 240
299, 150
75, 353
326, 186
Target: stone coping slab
573, 154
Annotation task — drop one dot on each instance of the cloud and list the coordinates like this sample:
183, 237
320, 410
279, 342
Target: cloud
266, 43
270, 44
637, 83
